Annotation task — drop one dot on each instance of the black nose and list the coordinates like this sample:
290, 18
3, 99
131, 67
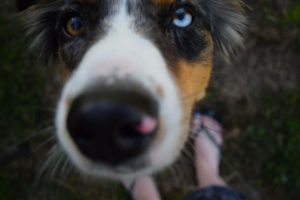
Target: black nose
113, 127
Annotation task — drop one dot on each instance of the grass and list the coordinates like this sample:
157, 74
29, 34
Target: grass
21, 85
267, 152
290, 16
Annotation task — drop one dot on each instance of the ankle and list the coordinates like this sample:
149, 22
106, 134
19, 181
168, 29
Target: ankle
206, 168
211, 181
209, 177
143, 188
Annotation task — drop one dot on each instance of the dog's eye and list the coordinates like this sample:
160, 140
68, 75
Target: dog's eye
74, 26
182, 18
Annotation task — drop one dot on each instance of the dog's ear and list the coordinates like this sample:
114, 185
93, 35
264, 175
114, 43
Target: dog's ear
24, 4
227, 22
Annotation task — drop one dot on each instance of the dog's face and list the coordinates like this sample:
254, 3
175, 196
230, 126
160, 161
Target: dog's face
133, 71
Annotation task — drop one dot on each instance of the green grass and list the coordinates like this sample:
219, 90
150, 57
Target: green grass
22, 84
288, 17
267, 152
286, 20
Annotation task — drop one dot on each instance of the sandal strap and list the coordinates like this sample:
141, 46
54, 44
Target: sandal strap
206, 130
211, 138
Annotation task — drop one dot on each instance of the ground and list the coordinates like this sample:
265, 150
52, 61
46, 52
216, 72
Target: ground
257, 93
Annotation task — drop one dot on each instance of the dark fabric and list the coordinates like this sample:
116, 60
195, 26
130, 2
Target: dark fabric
130, 197
215, 193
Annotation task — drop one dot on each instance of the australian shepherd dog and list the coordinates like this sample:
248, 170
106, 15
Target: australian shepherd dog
133, 70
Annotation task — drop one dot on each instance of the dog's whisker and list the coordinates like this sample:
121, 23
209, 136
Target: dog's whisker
57, 165
66, 169
180, 166
186, 162
175, 172
47, 141
52, 155
42, 171
63, 171
188, 155
44, 131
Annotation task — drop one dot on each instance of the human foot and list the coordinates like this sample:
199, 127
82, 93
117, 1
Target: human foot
208, 142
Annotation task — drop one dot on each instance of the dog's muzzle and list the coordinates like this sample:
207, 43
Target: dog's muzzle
114, 124
120, 113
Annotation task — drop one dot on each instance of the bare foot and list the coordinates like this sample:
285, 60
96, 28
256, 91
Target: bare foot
208, 143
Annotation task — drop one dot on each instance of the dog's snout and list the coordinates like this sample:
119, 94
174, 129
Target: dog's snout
113, 126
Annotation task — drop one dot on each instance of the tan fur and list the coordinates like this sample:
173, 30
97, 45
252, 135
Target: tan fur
192, 80
64, 72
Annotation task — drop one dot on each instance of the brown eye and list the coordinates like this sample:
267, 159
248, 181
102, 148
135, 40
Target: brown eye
74, 26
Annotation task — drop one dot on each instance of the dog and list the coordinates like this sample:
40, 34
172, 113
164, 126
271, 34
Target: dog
133, 71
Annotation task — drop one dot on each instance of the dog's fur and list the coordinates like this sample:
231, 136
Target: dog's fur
136, 39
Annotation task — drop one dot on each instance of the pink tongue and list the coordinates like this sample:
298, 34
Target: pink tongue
147, 126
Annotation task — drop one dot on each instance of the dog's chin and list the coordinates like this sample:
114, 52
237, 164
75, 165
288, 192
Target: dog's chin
154, 160
130, 170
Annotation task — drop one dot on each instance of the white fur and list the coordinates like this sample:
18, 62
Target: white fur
123, 52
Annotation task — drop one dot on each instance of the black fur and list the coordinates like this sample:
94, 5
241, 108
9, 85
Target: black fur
155, 22
24, 4
46, 23
227, 22
42, 26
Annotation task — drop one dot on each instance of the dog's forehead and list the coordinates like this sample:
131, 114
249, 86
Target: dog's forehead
103, 9
153, 1
157, 2
131, 2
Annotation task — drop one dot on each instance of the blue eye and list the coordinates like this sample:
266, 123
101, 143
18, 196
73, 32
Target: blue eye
74, 26
182, 18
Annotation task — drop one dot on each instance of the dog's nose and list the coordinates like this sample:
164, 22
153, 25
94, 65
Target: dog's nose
113, 128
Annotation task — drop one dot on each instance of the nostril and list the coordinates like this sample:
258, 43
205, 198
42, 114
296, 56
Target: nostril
135, 134
146, 126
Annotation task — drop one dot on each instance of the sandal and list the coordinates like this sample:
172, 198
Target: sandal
198, 126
